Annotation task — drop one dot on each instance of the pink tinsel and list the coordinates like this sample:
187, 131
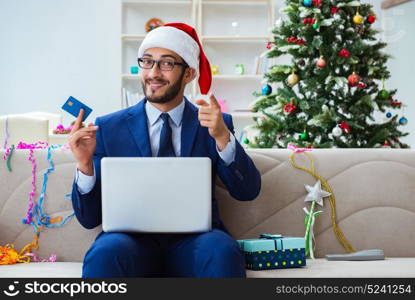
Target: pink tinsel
31, 147
296, 149
60, 129
28, 219
36, 258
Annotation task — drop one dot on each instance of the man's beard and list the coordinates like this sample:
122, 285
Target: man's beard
170, 93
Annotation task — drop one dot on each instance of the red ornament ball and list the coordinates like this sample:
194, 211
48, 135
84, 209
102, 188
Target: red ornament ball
309, 21
317, 3
289, 108
396, 103
334, 10
294, 40
301, 42
371, 19
344, 53
354, 79
345, 126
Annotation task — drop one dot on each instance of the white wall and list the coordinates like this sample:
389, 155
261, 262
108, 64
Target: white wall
51, 49
398, 24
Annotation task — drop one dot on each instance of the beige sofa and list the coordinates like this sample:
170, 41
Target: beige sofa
31, 127
374, 189
23, 127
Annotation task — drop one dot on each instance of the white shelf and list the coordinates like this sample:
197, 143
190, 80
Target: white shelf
237, 77
217, 76
230, 38
222, 38
233, 1
156, 2
133, 37
224, 45
247, 115
130, 76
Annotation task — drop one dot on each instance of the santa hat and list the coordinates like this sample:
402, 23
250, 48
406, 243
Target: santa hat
182, 39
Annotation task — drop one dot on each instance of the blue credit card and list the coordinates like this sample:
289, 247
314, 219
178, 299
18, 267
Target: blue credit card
73, 106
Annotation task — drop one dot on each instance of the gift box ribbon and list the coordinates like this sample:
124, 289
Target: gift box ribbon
269, 242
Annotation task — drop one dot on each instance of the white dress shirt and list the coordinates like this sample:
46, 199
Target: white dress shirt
86, 183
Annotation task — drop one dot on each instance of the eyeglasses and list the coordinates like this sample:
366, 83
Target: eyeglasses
164, 64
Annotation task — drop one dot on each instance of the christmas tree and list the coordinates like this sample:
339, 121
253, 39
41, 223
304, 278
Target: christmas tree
329, 94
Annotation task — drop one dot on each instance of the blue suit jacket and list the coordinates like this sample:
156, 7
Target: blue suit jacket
125, 134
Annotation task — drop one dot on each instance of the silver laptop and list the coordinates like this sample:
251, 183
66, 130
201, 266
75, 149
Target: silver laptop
156, 194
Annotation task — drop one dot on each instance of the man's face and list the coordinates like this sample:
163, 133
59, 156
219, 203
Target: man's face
163, 86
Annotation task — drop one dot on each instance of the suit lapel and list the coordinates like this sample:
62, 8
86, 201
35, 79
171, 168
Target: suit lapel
190, 125
137, 123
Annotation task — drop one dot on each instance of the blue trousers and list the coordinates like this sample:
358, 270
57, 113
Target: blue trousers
213, 254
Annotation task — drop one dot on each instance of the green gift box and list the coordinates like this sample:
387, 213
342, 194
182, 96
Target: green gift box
273, 251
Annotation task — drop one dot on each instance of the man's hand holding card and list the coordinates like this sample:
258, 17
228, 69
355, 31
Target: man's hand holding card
82, 140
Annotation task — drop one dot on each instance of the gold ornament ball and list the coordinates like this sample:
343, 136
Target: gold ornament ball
358, 19
293, 79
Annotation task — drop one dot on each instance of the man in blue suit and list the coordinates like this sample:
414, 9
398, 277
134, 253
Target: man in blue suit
164, 123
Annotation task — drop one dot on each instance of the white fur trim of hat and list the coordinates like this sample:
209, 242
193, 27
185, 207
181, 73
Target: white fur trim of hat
174, 40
